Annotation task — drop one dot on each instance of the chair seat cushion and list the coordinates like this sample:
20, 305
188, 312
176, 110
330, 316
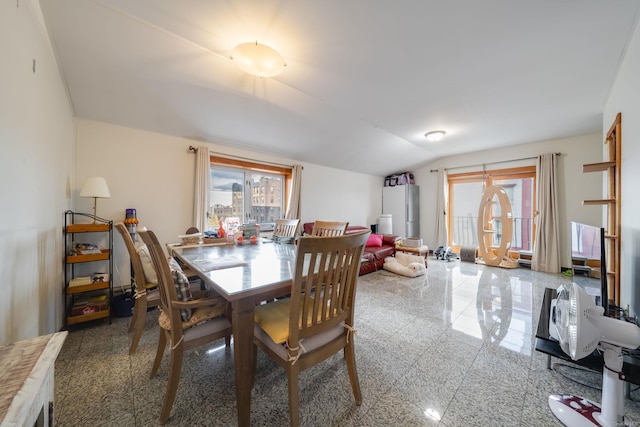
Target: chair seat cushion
209, 327
200, 314
310, 344
273, 318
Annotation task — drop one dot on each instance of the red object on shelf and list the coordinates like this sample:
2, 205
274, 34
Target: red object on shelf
221, 232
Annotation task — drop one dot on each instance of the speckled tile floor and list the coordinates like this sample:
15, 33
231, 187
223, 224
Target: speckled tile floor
452, 348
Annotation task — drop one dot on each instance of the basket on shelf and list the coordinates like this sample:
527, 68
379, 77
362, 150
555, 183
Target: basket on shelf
190, 239
412, 242
210, 240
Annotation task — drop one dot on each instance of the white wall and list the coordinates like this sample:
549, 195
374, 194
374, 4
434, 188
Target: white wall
154, 174
625, 98
36, 136
573, 186
333, 194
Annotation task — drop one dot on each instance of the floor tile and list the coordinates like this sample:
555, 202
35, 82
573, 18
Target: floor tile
452, 348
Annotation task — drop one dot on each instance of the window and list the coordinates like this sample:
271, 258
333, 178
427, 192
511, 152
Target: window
465, 191
237, 192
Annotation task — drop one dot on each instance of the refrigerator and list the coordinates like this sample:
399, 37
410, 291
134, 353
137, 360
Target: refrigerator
402, 202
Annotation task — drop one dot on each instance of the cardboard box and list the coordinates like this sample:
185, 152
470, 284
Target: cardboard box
412, 242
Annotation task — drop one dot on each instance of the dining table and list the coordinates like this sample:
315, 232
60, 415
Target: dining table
245, 275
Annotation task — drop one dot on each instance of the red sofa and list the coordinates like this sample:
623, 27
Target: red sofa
374, 255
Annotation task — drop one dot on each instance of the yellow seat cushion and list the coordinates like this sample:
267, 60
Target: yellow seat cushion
199, 315
273, 318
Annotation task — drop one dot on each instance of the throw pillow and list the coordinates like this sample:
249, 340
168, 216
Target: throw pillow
150, 274
173, 264
184, 292
374, 241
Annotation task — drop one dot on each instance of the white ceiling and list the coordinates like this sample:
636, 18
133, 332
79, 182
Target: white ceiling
365, 79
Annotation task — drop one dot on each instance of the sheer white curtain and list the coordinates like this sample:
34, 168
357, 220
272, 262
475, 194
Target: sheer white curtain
546, 249
294, 208
201, 193
441, 209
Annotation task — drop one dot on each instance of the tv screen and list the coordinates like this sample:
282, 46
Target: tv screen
588, 254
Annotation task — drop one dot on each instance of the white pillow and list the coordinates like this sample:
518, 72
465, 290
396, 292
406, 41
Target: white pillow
150, 274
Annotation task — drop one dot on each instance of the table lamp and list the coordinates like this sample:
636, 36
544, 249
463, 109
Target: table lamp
95, 186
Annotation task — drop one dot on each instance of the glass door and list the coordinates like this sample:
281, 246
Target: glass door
465, 192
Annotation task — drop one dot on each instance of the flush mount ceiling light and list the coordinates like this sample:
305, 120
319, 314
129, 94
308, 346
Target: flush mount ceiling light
258, 59
434, 136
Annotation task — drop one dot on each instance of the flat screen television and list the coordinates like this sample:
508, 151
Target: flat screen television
588, 243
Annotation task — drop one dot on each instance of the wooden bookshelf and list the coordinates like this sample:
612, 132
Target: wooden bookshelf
76, 226
612, 169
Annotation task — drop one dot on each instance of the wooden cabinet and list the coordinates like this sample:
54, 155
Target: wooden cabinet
612, 167
88, 278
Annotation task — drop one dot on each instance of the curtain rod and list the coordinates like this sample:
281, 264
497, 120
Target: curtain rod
491, 163
231, 156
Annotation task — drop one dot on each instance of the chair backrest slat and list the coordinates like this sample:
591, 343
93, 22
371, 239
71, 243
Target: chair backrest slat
138, 272
285, 227
329, 228
323, 289
166, 285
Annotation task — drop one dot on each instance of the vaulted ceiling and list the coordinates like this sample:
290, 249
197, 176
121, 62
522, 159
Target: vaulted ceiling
365, 79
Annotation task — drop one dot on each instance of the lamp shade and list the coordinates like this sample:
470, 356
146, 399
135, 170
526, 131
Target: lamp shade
95, 186
258, 59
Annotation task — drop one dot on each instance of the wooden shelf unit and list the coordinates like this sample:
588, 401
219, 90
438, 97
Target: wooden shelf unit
87, 288
105, 255
599, 202
76, 224
598, 167
73, 320
612, 168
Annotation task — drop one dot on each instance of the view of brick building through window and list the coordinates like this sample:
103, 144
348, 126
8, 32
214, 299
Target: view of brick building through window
245, 196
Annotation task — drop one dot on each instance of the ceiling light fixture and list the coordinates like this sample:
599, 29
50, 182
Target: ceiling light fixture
435, 135
258, 59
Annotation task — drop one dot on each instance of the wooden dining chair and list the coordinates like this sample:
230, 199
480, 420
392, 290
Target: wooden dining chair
146, 294
184, 322
192, 230
329, 228
191, 275
285, 228
316, 321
